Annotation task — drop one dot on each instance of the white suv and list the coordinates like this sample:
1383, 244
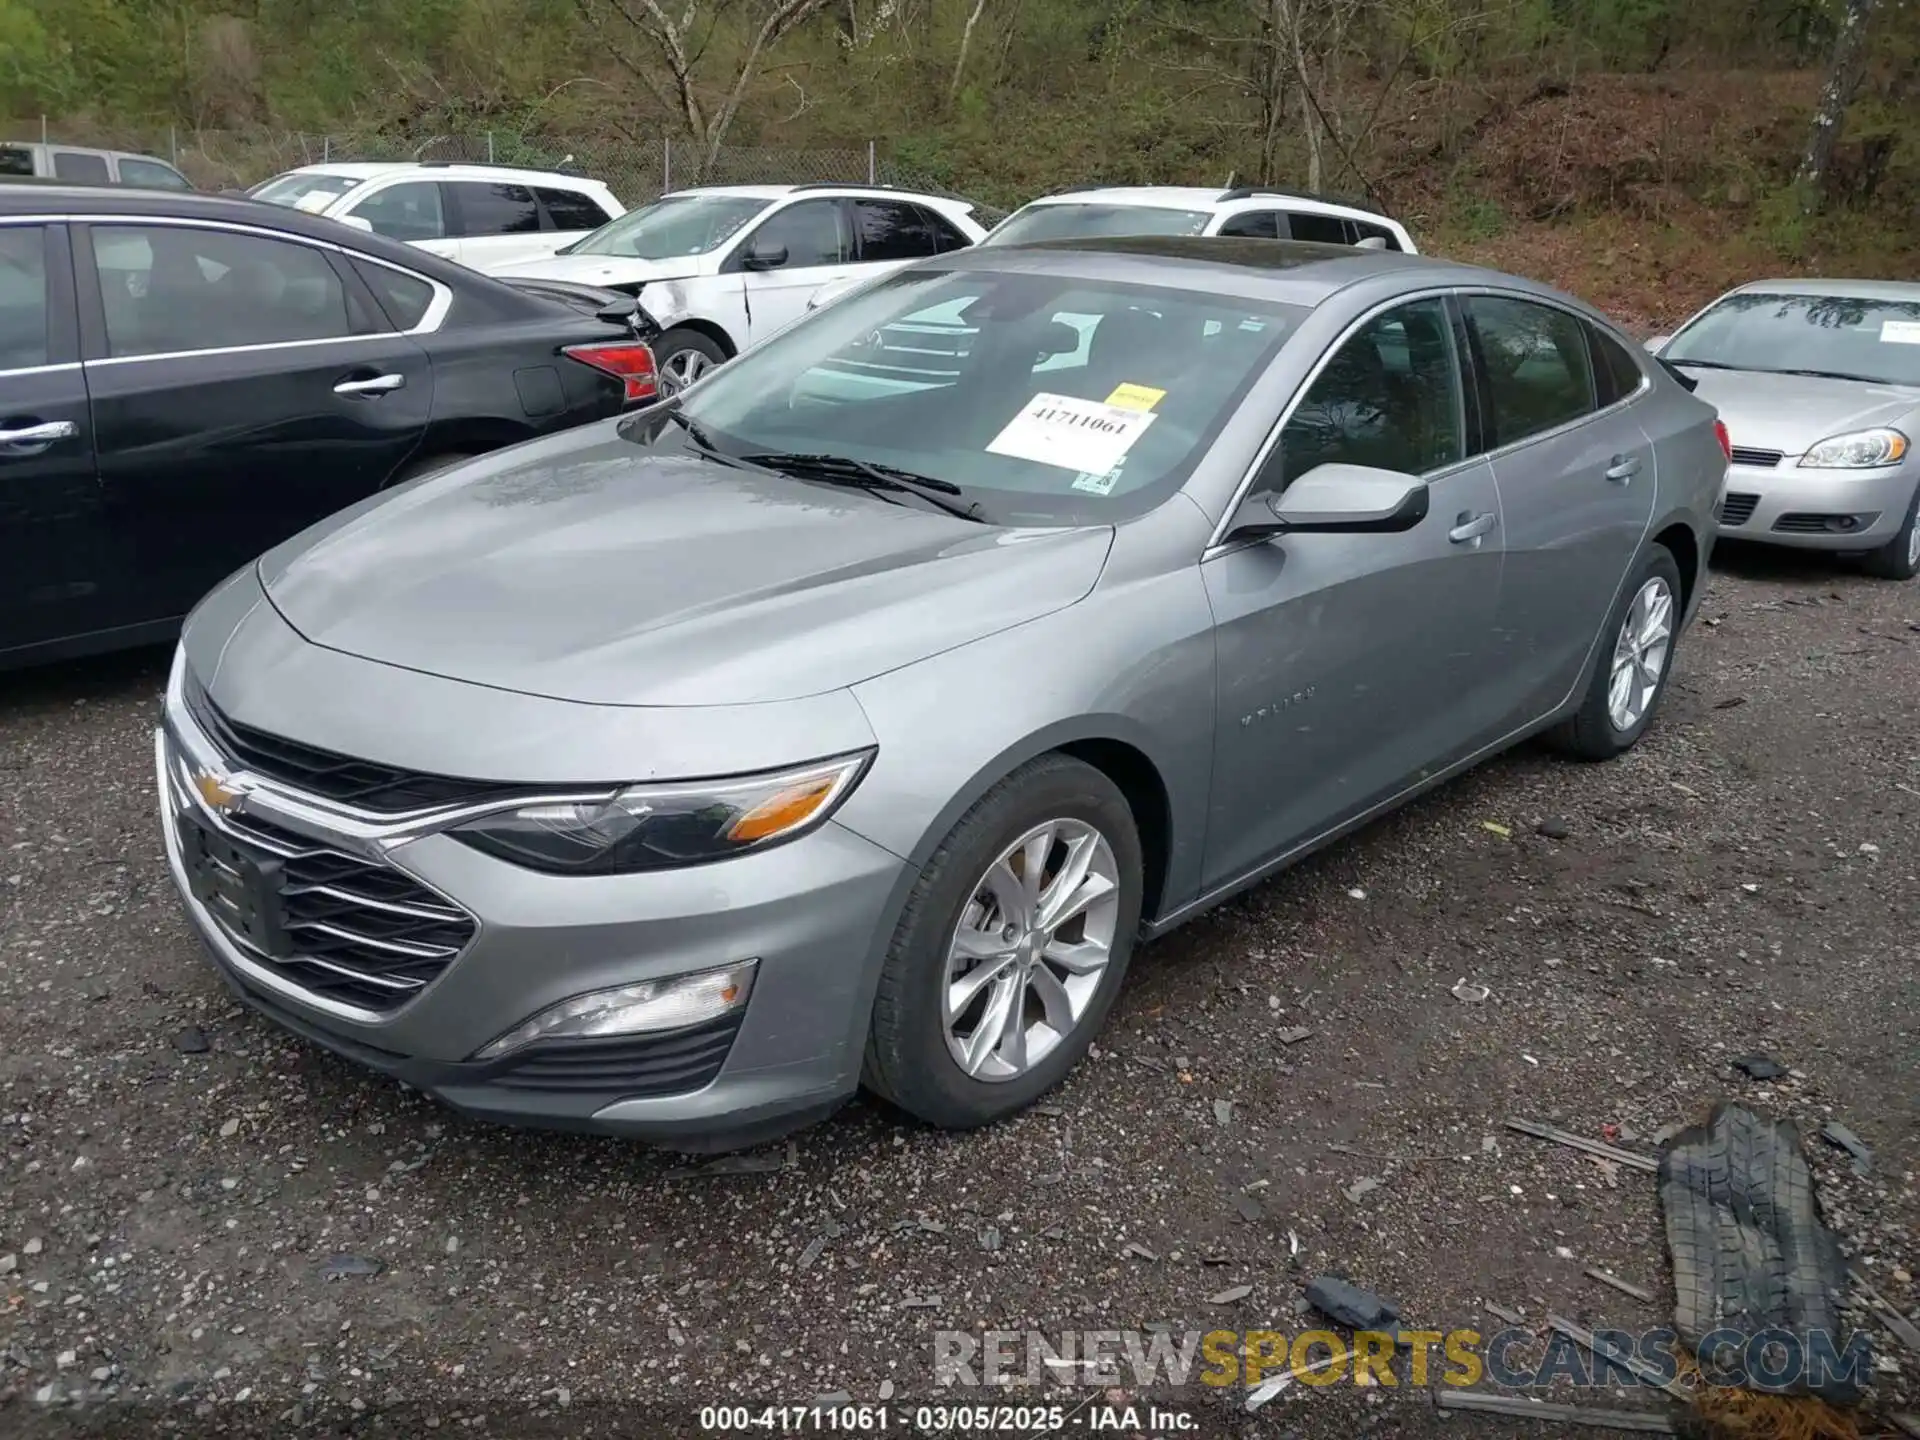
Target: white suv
480, 215
725, 266
1268, 214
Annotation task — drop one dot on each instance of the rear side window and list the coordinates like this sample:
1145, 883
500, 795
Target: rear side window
570, 210
80, 166
409, 211
1616, 374
23, 297
1360, 230
1538, 370
496, 209
1258, 224
15, 160
890, 230
168, 288
405, 298
152, 174
1322, 229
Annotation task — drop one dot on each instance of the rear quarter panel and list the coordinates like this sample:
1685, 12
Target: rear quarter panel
1691, 471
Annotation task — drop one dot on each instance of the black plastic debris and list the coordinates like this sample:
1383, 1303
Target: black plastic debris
1760, 1067
1353, 1307
1751, 1257
1834, 1133
191, 1041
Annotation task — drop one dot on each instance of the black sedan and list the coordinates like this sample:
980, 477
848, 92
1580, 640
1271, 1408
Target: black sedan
186, 381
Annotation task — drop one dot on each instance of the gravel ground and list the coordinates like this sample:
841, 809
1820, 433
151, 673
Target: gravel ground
178, 1174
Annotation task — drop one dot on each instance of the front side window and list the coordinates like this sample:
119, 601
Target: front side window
1257, 224
15, 160
946, 235
407, 211
1538, 371
168, 288
1841, 336
1047, 399
79, 166
809, 231
570, 210
23, 297
1072, 220
496, 209
1361, 230
890, 230
1390, 398
151, 174
673, 227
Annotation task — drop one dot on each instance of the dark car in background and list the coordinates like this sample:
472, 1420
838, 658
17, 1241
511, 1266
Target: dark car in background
187, 380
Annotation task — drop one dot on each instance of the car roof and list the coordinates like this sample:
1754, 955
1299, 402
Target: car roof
1289, 272
821, 187
1196, 197
1901, 290
475, 170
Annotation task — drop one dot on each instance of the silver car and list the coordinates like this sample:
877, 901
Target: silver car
675, 777
1818, 382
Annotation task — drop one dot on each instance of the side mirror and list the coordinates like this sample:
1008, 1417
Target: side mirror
765, 257
1372, 242
1658, 343
1334, 500
356, 222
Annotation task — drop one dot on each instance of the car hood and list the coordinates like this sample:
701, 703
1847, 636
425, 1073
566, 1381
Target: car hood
588, 569
1790, 413
598, 269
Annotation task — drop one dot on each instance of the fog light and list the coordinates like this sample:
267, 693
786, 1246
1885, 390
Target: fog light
651, 1005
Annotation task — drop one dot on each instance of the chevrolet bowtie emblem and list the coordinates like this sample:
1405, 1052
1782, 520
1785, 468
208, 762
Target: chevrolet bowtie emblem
219, 793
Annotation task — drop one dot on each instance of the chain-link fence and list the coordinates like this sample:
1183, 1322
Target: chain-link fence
636, 168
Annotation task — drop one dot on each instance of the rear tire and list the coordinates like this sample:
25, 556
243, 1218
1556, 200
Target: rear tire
1899, 558
971, 917
1630, 672
682, 355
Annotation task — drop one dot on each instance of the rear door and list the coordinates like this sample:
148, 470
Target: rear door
56, 576
1576, 489
244, 385
496, 222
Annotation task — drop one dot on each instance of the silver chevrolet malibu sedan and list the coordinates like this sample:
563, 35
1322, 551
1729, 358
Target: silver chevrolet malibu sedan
850, 718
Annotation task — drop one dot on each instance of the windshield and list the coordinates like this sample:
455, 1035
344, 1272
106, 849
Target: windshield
1046, 399
1876, 340
304, 192
673, 226
1056, 221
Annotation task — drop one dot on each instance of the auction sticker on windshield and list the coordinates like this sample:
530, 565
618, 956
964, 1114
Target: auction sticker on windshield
1900, 332
1074, 434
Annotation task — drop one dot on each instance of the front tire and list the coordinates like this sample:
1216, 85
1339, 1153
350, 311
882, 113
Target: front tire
1011, 948
1630, 672
1899, 558
681, 356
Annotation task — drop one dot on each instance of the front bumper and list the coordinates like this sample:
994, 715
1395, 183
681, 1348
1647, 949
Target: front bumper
814, 914
1786, 505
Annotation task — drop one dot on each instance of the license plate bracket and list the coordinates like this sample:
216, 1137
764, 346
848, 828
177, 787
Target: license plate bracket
239, 887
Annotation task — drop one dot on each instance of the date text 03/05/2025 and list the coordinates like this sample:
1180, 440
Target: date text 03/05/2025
857, 1420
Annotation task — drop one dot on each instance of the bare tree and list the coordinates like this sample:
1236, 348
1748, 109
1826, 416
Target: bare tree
966, 43
674, 37
1843, 79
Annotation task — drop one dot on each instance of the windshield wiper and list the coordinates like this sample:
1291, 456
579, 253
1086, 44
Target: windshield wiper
1830, 375
865, 475
1706, 364
703, 442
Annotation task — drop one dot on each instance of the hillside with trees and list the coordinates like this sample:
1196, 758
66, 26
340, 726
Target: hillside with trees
1643, 152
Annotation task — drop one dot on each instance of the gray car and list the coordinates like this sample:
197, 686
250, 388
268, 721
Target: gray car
673, 777
1818, 382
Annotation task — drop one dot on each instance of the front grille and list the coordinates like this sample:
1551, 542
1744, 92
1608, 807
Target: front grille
361, 933
382, 789
1737, 509
1757, 459
630, 1065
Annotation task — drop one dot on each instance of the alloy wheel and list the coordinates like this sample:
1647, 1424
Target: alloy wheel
1913, 545
1030, 950
681, 369
1640, 654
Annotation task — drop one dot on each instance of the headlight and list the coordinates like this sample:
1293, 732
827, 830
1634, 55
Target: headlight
1859, 450
656, 827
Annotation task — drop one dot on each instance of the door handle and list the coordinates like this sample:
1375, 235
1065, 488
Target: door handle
30, 439
378, 385
1623, 468
1470, 526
